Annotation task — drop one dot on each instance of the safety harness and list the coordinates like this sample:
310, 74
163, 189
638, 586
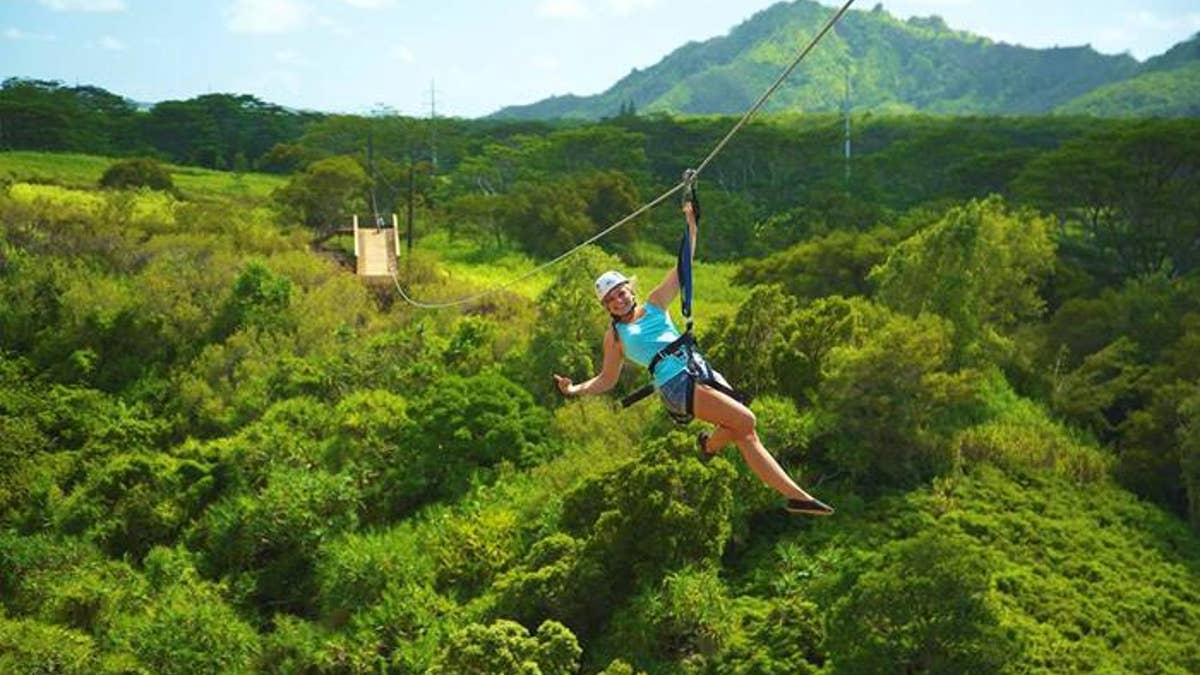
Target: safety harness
699, 372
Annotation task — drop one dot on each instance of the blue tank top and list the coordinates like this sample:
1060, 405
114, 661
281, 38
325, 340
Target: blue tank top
642, 339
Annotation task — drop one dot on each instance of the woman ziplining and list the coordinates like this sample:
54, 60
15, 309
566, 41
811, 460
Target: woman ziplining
686, 384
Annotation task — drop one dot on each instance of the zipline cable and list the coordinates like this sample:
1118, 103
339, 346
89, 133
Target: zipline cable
460, 301
660, 199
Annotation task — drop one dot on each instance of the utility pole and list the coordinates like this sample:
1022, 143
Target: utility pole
846, 112
371, 167
409, 241
433, 123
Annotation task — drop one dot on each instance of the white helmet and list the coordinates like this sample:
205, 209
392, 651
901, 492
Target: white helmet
608, 281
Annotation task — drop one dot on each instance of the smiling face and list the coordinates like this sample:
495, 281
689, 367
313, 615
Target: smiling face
620, 300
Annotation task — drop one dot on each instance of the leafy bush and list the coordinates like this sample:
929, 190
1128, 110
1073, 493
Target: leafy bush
780, 636
660, 512
464, 424
743, 352
687, 618
33, 647
273, 537
354, 570
374, 442
925, 608
409, 624
187, 628
134, 501
136, 173
507, 647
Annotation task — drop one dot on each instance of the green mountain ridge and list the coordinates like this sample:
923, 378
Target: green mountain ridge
1159, 93
891, 65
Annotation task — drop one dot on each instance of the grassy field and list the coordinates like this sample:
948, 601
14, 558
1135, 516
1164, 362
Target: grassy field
470, 265
84, 171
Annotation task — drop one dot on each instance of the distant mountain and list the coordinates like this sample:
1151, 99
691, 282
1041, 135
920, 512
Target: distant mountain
1167, 85
919, 64
1165, 93
1183, 54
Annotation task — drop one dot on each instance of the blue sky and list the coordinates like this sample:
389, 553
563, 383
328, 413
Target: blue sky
353, 55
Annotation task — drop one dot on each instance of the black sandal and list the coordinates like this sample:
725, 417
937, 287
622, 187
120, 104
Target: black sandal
702, 444
809, 507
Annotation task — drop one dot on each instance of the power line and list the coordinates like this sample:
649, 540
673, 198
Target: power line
658, 200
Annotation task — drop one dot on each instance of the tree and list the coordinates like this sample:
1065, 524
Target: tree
567, 340
546, 219
834, 264
924, 608
326, 193
891, 398
1126, 196
979, 266
259, 299
464, 424
744, 349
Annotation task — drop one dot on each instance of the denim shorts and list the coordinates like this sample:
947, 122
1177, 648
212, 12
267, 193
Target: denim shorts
674, 392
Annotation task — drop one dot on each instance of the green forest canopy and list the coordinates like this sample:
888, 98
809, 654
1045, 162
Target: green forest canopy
224, 453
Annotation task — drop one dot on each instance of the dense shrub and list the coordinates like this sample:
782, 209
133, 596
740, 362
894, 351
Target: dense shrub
924, 608
507, 647
136, 173
32, 647
661, 512
187, 629
271, 539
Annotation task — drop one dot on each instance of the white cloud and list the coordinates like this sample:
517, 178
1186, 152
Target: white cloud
563, 9
402, 54
1148, 19
546, 63
628, 7
334, 27
267, 16
111, 43
84, 5
290, 57
1194, 21
1111, 40
371, 4
18, 34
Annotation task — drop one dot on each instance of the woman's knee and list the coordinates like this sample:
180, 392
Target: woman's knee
746, 423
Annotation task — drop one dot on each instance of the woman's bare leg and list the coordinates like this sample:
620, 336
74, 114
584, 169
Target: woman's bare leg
735, 422
720, 437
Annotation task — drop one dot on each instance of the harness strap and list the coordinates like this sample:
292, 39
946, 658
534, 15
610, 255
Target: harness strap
685, 341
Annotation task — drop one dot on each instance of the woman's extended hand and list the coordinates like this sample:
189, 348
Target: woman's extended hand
564, 384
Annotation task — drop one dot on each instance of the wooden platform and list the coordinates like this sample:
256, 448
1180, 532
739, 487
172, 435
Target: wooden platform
376, 252
376, 249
